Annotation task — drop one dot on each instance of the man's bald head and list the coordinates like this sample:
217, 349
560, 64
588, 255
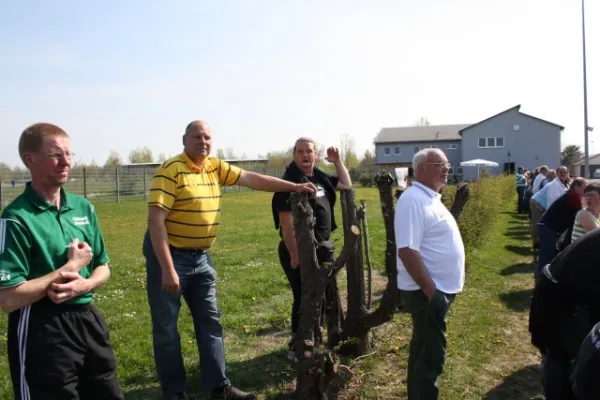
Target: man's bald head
197, 140
197, 125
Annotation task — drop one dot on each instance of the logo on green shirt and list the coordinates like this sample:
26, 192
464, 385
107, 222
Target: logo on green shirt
4, 275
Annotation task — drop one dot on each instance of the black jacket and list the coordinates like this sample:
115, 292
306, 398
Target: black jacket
293, 174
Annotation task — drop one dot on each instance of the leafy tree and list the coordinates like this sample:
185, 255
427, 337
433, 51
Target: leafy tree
161, 157
113, 160
220, 154
279, 159
570, 155
351, 160
141, 155
5, 172
367, 162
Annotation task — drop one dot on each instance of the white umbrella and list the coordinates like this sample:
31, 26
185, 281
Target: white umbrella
478, 163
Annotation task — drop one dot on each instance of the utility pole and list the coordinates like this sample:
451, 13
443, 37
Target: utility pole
585, 110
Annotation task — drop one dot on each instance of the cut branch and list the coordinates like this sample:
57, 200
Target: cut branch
362, 215
460, 199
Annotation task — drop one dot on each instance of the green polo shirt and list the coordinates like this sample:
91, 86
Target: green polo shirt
35, 235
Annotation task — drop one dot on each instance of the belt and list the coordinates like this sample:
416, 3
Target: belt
187, 250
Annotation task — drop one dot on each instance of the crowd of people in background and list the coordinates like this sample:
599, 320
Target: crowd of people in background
564, 214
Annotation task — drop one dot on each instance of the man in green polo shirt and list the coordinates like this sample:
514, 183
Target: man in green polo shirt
52, 257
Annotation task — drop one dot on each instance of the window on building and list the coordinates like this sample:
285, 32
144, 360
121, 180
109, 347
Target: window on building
416, 149
451, 147
387, 151
491, 142
431, 146
396, 150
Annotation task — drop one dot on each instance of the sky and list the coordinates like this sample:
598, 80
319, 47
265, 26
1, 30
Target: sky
118, 75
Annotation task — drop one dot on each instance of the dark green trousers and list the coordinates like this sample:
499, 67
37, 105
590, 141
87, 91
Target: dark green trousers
428, 343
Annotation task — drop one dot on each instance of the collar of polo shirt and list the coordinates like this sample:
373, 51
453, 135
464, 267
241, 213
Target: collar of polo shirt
192, 165
431, 193
42, 204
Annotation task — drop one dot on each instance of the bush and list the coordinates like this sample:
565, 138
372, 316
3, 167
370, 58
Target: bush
488, 197
366, 180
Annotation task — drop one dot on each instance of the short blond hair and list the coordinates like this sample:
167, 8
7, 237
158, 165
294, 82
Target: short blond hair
33, 137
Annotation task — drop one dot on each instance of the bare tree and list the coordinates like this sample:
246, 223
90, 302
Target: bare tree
220, 154
423, 121
347, 144
230, 154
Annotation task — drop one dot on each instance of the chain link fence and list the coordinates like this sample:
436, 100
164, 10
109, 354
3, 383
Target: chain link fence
127, 183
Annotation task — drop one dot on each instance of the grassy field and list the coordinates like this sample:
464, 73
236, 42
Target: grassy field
489, 352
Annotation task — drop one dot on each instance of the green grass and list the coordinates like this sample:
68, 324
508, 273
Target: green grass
486, 325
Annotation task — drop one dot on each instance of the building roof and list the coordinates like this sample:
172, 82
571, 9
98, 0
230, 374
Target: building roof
517, 108
420, 133
594, 159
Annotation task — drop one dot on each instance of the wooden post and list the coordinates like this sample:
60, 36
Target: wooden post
145, 192
117, 184
84, 182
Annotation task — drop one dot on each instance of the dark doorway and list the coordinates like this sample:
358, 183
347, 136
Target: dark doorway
509, 167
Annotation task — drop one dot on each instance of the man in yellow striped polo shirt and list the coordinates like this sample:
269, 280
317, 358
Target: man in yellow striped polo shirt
183, 219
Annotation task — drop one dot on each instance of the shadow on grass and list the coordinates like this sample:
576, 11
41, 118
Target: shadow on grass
270, 370
521, 385
521, 250
518, 235
519, 300
519, 268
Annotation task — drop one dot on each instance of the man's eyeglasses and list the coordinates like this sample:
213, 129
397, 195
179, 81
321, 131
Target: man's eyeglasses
59, 156
441, 164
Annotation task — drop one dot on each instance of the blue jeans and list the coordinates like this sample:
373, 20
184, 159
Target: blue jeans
197, 279
547, 247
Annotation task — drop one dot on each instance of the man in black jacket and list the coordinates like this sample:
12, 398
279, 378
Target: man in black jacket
557, 220
564, 307
303, 169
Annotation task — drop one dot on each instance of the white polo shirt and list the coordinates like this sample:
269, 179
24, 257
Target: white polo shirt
422, 223
535, 187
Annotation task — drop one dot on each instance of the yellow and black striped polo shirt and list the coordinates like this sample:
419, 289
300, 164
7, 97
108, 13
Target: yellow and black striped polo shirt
192, 196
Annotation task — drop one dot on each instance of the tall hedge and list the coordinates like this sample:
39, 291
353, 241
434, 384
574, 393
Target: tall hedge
488, 197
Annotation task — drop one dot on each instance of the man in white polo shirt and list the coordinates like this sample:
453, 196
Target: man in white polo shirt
535, 187
431, 269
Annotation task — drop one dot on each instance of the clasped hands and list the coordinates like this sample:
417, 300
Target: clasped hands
70, 284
